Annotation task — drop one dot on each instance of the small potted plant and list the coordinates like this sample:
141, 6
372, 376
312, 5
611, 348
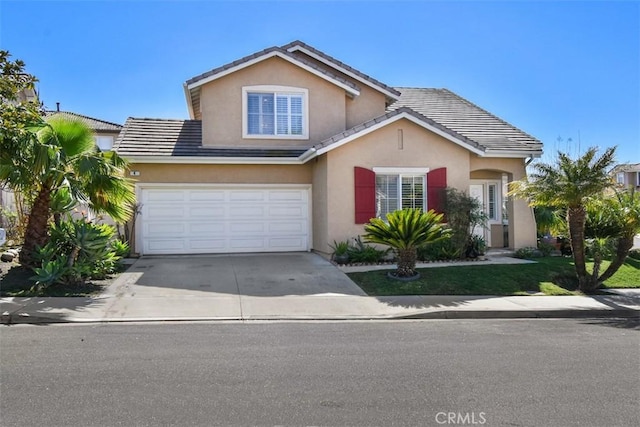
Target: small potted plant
340, 252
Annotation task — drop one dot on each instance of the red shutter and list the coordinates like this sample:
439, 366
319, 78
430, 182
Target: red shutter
436, 185
365, 196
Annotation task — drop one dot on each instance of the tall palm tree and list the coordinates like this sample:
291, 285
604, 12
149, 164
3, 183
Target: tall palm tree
406, 230
568, 184
64, 155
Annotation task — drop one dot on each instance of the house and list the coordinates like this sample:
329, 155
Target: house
289, 149
627, 175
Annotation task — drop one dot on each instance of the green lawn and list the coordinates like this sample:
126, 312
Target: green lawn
552, 276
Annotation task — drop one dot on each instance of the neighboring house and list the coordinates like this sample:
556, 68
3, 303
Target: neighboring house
627, 175
105, 132
289, 149
105, 135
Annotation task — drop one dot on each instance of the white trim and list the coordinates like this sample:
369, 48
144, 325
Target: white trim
343, 71
274, 89
347, 88
187, 95
512, 154
394, 119
400, 171
181, 185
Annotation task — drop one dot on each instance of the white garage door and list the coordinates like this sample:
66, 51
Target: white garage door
221, 219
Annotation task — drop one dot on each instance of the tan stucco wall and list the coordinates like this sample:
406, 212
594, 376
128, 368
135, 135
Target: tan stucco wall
522, 225
320, 203
221, 104
421, 148
223, 174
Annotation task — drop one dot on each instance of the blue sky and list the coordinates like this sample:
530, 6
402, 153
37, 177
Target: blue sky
556, 69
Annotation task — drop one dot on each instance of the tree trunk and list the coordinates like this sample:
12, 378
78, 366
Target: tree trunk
623, 246
36, 233
576, 217
407, 262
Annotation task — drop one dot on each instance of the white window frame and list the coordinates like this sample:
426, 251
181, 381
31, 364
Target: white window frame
620, 178
103, 138
275, 90
402, 173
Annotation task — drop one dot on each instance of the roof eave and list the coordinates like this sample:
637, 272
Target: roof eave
512, 154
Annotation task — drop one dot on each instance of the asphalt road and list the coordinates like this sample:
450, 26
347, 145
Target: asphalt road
414, 373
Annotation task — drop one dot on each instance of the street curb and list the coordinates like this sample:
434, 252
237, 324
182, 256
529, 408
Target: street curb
443, 315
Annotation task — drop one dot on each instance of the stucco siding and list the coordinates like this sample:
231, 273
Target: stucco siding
221, 105
321, 215
223, 174
420, 148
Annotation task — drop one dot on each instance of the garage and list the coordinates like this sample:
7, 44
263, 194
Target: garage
200, 219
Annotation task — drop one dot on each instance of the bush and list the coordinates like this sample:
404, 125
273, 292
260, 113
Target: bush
634, 253
360, 252
528, 253
77, 250
546, 248
443, 250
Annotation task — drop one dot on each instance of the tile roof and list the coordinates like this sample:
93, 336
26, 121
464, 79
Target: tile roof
341, 64
466, 119
95, 124
389, 115
180, 138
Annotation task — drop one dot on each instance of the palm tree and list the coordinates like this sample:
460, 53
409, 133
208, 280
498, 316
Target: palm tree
616, 217
64, 155
405, 231
568, 184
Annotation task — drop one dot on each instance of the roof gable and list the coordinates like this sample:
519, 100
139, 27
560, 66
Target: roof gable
299, 46
192, 86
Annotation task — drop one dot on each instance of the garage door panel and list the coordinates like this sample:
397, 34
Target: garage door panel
246, 211
286, 242
207, 244
166, 245
206, 211
206, 196
298, 227
247, 196
164, 212
217, 220
206, 228
165, 196
286, 196
243, 228
162, 229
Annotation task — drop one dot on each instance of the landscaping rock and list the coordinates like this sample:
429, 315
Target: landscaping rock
13, 251
7, 256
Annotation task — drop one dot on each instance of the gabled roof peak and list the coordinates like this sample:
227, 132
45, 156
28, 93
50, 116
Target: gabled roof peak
298, 45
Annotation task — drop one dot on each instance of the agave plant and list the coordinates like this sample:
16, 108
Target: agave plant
405, 231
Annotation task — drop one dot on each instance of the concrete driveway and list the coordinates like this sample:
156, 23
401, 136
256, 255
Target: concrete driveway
262, 275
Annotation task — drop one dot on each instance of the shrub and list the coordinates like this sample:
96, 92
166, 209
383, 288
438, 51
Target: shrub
528, 253
360, 252
634, 253
442, 250
476, 245
463, 213
77, 250
120, 248
546, 248
340, 252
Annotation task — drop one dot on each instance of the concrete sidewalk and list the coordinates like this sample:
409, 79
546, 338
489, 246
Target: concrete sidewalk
138, 295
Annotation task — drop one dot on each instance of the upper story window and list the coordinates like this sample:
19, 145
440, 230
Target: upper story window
105, 143
275, 112
620, 177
